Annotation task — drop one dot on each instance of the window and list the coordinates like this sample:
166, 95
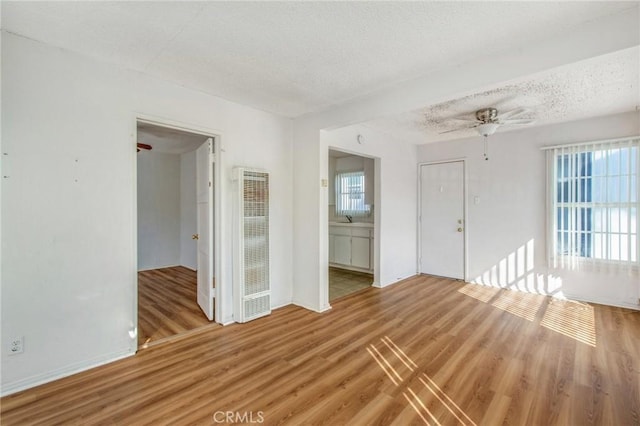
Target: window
350, 199
594, 202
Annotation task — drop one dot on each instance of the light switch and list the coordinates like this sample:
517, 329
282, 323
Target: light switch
476, 200
324, 183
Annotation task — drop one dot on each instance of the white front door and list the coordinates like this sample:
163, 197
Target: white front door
204, 188
442, 219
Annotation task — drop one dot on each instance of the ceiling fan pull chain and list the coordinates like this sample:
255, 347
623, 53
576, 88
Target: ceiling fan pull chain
486, 148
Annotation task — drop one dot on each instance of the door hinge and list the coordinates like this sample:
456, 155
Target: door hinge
209, 184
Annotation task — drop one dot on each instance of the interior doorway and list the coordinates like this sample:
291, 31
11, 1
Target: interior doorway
442, 219
351, 214
176, 237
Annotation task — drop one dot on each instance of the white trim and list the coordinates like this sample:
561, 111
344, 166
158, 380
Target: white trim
218, 214
40, 379
280, 305
599, 301
305, 306
465, 214
396, 281
218, 218
351, 268
595, 142
571, 204
176, 125
133, 332
375, 255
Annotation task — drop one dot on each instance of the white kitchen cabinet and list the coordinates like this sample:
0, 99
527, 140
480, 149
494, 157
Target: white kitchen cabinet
360, 248
350, 247
342, 249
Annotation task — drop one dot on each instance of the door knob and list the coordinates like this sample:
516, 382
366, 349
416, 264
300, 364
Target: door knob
194, 237
459, 229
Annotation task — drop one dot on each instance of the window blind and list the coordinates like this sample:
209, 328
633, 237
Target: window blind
594, 203
350, 194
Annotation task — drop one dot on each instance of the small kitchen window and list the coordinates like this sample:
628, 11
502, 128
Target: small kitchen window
350, 194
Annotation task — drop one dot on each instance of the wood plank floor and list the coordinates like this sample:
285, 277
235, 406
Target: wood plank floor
424, 351
167, 304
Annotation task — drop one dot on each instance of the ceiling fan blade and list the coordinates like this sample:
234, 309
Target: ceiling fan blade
513, 113
466, 120
144, 146
458, 129
515, 121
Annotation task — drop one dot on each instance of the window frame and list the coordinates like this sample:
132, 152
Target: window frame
557, 252
340, 210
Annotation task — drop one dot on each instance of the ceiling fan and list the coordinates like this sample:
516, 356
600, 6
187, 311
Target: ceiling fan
140, 146
488, 120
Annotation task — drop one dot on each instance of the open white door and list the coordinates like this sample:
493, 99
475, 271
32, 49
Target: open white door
442, 219
204, 187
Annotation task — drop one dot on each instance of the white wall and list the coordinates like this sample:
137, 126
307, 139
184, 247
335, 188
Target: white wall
166, 210
610, 34
507, 229
395, 192
188, 211
68, 210
158, 210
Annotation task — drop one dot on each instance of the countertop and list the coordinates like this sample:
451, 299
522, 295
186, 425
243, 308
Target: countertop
352, 225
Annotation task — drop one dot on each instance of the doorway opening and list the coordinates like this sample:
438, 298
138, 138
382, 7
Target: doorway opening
351, 223
175, 230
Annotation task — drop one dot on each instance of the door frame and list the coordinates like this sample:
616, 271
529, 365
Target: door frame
217, 195
465, 243
324, 225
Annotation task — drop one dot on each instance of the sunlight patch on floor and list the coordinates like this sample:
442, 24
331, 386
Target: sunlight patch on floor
395, 360
479, 292
519, 304
572, 319
569, 318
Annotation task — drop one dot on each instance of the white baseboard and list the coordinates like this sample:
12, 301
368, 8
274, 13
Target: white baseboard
280, 305
570, 296
350, 268
399, 280
228, 321
158, 267
602, 301
305, 306
40, 379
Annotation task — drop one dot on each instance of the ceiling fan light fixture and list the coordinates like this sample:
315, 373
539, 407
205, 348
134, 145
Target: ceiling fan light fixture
486, 129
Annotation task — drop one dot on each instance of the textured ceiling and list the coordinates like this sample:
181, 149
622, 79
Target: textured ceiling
605, 85
293, 58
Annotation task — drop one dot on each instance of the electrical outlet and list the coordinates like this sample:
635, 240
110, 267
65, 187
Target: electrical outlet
16, 346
